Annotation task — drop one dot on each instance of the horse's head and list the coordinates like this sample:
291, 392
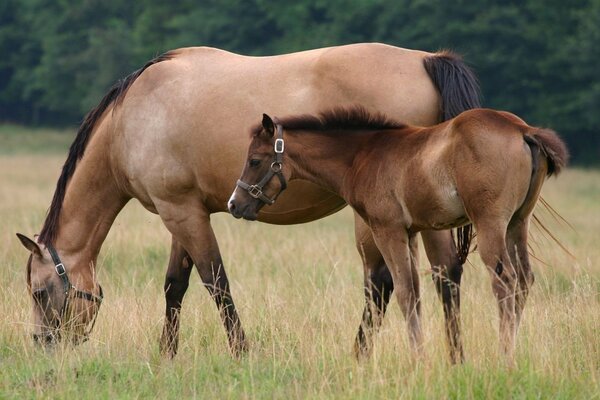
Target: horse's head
61, 308
257, 186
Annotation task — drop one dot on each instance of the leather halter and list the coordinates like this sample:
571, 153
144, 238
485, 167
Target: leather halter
256, 190
59, 267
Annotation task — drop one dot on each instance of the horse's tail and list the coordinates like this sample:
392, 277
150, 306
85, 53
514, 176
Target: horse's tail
459, 91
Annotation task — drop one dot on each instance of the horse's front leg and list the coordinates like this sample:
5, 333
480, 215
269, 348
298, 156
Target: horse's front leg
394, 242
190, 226
176, 284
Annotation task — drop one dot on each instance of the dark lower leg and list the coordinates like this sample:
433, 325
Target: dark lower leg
215, 280
447, 284
378, 289
447, 272
176, 284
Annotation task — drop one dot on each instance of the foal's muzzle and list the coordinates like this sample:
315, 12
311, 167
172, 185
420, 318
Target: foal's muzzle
247, 211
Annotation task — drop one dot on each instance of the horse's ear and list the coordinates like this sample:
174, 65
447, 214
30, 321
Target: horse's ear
29, 244
268, 125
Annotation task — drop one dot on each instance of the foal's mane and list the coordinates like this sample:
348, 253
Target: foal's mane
337, 119
114, 96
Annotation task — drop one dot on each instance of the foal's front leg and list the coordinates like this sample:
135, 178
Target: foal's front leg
378, 288
394, 244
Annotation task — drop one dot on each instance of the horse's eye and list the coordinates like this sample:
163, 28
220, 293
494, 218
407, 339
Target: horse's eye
254, 163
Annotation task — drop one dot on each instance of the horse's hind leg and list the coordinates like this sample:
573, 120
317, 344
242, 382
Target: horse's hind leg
447, 271
190, 225
176, 284
378, 287
516, 239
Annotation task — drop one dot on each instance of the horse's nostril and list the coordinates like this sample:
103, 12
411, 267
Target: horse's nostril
231, 206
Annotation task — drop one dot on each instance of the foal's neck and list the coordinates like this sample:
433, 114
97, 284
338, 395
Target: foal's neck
325, 158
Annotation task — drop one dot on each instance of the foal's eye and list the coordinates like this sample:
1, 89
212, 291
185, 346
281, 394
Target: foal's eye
254, 163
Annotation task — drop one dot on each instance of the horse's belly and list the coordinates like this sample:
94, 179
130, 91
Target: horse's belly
301, 202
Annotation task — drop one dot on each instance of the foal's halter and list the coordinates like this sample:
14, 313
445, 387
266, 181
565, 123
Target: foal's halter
256, 190
68, 287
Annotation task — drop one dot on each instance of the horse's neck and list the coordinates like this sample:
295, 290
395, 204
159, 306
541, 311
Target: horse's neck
325, 159
92, 202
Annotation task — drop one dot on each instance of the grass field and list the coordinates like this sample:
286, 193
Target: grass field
300, 302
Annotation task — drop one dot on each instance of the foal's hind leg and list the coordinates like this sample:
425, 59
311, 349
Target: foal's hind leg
516, 239
176, 284
447, 272
493, 251
190, 225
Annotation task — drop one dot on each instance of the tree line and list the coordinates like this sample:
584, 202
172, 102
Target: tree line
536, 58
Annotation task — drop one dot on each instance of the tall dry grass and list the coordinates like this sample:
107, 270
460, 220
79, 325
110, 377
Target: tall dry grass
298, 291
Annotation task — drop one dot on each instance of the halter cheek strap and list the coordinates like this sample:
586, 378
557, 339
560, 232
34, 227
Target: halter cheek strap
256, 190
68, 287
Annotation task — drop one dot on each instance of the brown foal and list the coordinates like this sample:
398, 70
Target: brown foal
485, 167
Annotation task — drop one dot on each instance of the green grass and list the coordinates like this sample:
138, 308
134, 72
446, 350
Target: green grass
300, 303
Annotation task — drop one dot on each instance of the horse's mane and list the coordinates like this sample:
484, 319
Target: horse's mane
337, 119
114, 96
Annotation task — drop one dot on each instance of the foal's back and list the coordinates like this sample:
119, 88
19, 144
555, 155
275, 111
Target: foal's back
480, 157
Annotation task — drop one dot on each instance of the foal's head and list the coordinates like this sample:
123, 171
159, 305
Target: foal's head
60, 308
264, 176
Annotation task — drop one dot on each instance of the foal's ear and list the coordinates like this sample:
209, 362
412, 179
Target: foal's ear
268, 125
29, 244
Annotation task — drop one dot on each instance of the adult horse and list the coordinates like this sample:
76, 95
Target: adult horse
169, 135
484, 166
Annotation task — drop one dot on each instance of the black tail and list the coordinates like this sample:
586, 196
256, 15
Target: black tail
459, 89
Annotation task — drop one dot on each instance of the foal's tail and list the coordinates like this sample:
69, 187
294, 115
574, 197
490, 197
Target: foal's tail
549, 156
551, 146
459, 91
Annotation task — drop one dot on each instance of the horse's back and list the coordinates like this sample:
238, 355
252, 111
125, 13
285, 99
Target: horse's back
188, 118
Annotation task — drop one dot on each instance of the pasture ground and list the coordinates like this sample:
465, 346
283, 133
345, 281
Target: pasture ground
299, 294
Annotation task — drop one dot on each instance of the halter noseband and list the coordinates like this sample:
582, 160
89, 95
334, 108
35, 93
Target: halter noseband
59, 267
256, 190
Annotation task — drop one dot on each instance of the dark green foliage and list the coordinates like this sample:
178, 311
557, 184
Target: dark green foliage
535, 58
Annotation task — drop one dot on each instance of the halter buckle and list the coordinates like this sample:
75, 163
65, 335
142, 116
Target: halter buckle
279, 146
60, 269
255, 191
